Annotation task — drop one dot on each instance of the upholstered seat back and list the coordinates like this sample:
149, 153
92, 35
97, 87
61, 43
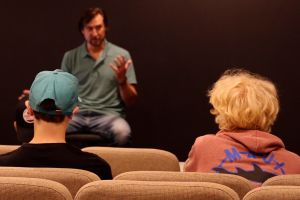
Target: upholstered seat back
136, 159
20, 188
290, 179
7, 148
274, 193
239, 184
154, 190
73, 179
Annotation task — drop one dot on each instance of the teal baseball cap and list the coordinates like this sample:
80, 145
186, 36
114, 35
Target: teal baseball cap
60, 86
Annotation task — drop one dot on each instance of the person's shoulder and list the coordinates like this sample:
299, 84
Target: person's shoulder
85, 155
204, 141
117, 49
288, 154
290, 159
89, 155
205, 138
95, 157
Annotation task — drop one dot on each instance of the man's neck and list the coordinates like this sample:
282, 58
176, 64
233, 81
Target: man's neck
46, 132
95, 51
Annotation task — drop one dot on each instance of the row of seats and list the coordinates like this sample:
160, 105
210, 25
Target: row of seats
152, 169
58, 183
74, 179
128, 159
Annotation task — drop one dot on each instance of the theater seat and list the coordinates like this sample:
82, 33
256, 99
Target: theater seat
239, 184
73, 179
290, 179
274, 193
8, 148
154, 190
20, 188
136, 159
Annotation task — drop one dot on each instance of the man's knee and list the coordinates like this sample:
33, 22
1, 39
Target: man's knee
121, 131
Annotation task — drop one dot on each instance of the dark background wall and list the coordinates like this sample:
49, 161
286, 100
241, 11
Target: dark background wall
179, 49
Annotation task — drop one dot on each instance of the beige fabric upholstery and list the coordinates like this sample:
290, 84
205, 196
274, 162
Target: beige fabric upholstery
274, 193
73, 179
181, 164
239, 184
19, 188
291, 179
136, 159
7, 148
154, 190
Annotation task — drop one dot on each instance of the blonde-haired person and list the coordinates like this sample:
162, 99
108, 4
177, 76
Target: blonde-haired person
245, 106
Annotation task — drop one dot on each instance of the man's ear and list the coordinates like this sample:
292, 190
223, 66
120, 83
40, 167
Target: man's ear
29, 109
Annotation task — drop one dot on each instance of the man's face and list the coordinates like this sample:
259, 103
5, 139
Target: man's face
94, 31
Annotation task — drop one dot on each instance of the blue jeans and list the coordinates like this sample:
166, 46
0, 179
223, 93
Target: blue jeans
109, 127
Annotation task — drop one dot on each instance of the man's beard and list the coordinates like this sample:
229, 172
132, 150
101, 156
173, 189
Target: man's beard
96, 42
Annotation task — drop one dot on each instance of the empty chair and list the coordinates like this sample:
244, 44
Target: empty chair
239, 184
20, 188
7, 148
274, 193
136, 159
73, 179
290, 179
154, 190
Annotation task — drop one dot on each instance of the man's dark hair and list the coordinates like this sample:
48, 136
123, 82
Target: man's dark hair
49, 105
89, 14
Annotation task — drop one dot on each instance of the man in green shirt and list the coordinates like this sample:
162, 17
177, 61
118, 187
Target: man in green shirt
107, 81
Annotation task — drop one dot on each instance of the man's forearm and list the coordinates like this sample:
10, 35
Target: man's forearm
128, 93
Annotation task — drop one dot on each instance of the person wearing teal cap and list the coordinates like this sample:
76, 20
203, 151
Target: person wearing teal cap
52, 101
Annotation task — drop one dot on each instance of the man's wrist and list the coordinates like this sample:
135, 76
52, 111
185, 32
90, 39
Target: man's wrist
123, 82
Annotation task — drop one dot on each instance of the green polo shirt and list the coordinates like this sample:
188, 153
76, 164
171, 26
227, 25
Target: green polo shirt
98, 87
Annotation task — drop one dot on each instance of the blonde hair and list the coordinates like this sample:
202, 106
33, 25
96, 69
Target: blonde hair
243, 100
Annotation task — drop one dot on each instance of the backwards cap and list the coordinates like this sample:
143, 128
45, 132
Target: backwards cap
60, 86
